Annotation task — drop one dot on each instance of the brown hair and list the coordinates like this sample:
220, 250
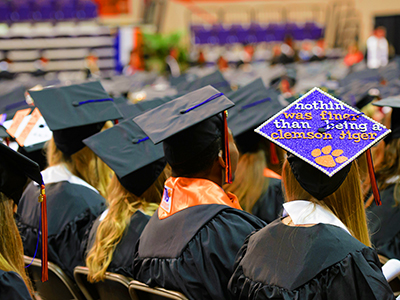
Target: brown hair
11, 248
83, 164
346, 202
122, 205
249, 183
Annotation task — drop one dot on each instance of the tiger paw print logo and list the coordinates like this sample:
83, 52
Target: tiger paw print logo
330, 158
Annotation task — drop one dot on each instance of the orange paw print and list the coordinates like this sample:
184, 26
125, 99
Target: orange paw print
328, 160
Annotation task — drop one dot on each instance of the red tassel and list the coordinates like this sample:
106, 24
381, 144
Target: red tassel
116, 121
372, 178
228, 170
43, 204
274, 156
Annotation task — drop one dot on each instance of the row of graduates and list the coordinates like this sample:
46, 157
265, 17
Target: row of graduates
191, 241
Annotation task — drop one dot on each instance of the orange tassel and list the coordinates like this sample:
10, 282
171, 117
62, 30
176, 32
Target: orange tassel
372, 178
228, 170
274, 156
43, 204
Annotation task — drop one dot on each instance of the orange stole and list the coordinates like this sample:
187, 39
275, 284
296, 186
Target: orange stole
271, 174
182, 192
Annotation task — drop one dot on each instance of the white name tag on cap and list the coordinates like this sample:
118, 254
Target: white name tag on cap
166, 199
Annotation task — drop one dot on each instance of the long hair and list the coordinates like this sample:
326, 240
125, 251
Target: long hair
346, 202
122, 205
83, 164
11, 248
249, 183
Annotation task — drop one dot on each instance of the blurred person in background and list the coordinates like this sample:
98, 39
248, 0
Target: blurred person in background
377, 49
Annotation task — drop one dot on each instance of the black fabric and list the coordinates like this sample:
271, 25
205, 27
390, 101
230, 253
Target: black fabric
136, 161
15, 169
269, 206
318, 262
37, 156
383, 224
313, 180
71, 210
3, 133
13, 287
193, 250
394, 103
215, 79
182, 113
189, 143
69, 141
254, 104
125, 250
140, 180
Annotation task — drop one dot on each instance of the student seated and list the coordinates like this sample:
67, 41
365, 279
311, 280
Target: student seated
190, 243
76, 178
320, 248
133, 196
15, 169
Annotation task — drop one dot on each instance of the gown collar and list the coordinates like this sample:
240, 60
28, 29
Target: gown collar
306, 212
60, 173
181, 192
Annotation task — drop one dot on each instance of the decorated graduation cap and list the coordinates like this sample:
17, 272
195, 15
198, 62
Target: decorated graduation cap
253, 104
75, 112
127, 150
15, 169
188, 125
323, 136
394, 103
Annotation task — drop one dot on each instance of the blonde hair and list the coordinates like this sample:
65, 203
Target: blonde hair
346, 202
249, 183
11, 248
122, 205
84, 164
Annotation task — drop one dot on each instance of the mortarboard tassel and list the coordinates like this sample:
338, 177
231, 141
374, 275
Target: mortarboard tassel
228, 170
374, 185
274, 156
43, 206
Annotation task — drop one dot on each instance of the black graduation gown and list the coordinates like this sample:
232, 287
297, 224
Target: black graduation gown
13, 287
125, 251
383, 224
318, 262
269, 206
193, 250
71, 210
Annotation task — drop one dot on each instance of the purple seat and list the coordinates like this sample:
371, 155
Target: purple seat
21, 10
46, 8
86, 10
66, 9
202, 35
5, 12
261, 34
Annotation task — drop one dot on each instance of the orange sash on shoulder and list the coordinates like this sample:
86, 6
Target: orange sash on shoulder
182, 192
271, 174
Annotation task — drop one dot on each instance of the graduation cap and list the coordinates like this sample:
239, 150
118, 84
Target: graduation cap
394, 103
188, 125
15, 169
215, 79
12, 101
323, 136
254, 103
127, 150
75, 112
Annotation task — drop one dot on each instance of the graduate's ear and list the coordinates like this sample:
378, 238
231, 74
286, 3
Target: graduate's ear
221, 159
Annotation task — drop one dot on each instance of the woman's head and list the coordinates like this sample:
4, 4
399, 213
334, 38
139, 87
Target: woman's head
122, 205
345, 202
83, 164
